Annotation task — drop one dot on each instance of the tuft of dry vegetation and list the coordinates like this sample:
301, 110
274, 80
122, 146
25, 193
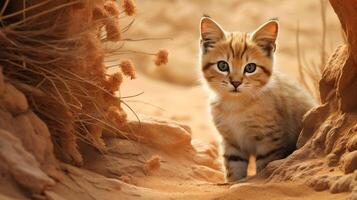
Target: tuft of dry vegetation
114, 82
152, 164
161, 58
54, 52
112, 8
128, 68
309, 72
129, 7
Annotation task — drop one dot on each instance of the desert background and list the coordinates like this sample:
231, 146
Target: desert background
92, 107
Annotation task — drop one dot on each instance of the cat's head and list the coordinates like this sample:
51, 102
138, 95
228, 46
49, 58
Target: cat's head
236, 63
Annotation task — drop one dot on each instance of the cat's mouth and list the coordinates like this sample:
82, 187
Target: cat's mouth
235, 90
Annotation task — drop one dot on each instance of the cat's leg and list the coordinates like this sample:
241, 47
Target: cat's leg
235, 162
263, 158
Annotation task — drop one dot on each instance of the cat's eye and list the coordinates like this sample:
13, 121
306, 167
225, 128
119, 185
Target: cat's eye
250, 68
223, 66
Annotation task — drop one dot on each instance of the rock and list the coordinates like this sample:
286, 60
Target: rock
353, 196
152, 164
319, 183
6, 120
331, 73
347, 82
35, 137
334, 133
343, 184
13, 100
123, 147
207, 173
350, 162
352, 144
159, 134
206, 154
21, 164
53, 196
2, 197
2, 83
332, 159
311, 119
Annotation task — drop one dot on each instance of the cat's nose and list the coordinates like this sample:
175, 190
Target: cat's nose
235, 83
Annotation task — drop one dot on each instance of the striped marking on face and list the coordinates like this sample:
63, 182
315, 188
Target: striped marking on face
238, 48
208, 65
265, 70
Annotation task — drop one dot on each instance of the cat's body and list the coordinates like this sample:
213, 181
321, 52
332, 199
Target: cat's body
256, 111
266, 125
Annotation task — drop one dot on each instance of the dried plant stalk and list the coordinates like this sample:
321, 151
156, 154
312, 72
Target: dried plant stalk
310, 73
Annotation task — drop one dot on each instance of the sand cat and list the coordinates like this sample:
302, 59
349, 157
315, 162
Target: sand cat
256, 110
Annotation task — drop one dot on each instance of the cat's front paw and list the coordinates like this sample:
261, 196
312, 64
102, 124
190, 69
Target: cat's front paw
234, 176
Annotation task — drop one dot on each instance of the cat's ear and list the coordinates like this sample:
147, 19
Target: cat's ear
210, 32
265, 36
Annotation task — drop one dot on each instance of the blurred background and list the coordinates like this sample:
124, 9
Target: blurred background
173, 91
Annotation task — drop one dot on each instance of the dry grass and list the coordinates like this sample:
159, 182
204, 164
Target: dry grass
54, 52
310, 72
129, 7
128, 69
161, 57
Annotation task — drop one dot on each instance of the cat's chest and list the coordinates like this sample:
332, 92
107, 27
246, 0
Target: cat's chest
244, 124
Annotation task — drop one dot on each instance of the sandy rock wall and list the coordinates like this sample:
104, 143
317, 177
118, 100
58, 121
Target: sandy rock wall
327, 154
26, 150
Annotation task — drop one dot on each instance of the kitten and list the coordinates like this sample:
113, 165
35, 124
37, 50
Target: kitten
256, 110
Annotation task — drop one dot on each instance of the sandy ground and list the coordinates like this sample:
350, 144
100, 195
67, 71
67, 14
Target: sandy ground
251, 191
